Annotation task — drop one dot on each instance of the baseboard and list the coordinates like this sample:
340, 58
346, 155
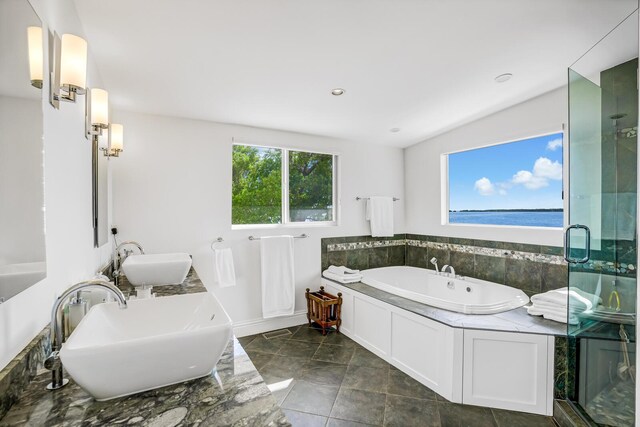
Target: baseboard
258, 326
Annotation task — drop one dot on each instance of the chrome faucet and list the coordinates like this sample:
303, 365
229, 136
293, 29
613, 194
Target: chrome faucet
118, 260
434, 261
452, 271
53, 362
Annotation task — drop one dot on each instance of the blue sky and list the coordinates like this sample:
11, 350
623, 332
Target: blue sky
516, 175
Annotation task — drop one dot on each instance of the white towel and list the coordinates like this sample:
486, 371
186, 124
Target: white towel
342, 270
553, 314
224, 273
580, 300
380, 216
278, 281
351, 278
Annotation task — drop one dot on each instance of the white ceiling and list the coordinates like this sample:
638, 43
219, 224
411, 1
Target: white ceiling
424, 66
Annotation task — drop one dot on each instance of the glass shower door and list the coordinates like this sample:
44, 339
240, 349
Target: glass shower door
601, 241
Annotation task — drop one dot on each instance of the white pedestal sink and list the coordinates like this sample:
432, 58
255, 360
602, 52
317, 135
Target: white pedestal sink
153, 343
156, 269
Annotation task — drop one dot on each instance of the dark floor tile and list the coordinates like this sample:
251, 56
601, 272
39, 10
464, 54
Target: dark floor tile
308, 333
264, 345
335, 338
456, 415
281, 390
259, 359
403, 385
335, 422
363, 357
298, 348
245, 341
358, 405
302, 419
324, 373
403, 411
334, 353
520, 419
282, 368
364, 378
311, 398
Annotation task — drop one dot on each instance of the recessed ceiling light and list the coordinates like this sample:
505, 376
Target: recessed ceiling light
503, 77
337, 91
394, 130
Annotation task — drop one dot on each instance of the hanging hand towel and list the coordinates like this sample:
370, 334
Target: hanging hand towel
223, 270
278, 282
380, 216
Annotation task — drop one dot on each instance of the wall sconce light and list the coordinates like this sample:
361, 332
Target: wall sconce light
36, 56
116, 141
69, 68
96, 112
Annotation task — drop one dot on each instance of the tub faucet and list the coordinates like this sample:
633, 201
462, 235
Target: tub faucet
53, 362
434, 261
452, 271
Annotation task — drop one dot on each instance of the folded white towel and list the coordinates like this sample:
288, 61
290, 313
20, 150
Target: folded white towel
351, 278
224, 273
342, 270
278, 280
553, 314
580, 300
380, 215
542, 305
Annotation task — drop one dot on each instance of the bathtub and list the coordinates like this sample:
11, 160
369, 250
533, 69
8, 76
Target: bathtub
468, 296
15, 278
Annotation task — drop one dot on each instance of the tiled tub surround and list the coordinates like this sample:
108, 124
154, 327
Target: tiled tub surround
532, 268
234, 394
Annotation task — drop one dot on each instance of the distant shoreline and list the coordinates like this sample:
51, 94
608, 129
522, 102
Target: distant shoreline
509, 210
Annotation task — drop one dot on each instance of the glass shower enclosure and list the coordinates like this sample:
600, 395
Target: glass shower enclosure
601, 240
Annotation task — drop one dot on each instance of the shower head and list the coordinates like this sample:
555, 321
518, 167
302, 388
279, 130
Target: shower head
434, 261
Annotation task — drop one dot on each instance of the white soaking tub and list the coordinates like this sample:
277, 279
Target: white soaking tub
469, 296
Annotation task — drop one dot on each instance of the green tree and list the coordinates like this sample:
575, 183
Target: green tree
256, 185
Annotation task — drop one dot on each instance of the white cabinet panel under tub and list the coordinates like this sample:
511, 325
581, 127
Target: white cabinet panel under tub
508, 371
428, 351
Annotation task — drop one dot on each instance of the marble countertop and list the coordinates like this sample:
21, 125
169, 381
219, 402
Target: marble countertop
233, 395
517, 320
191, 285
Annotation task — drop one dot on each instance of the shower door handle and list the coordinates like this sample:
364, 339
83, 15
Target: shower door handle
587, 248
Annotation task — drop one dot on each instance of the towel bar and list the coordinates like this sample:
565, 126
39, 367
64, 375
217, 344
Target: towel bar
395, 199
218, 240
302, 236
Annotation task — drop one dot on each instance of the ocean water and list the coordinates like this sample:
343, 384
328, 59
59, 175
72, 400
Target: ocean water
526, 219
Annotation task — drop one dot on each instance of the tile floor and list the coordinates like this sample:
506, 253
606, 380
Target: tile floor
334, 382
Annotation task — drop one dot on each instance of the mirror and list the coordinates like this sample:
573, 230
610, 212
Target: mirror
22, 243
100, 196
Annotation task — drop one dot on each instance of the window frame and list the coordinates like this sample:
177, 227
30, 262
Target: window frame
445, 190
284, 164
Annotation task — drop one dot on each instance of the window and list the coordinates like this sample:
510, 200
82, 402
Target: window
281, 186
518, 184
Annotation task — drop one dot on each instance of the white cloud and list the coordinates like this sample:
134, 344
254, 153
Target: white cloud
484, 187
554, 144
529, 180
545, 168
543, 171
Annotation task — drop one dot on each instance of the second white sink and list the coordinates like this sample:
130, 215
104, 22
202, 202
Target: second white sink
156, 269
153, 343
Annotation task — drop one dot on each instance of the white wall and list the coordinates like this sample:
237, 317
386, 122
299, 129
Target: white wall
544, 114
69, 234
172, 192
